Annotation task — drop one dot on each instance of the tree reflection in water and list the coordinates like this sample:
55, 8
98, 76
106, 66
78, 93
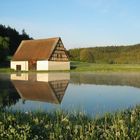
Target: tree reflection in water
8, 94
121, 79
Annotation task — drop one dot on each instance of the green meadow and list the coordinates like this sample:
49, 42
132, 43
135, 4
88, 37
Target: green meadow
84, 66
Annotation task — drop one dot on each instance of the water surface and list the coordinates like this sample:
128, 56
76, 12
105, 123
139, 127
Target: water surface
93, 93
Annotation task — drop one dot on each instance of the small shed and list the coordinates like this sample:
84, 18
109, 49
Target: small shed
41, 54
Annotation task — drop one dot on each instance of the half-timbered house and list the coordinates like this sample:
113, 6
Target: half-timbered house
41, 54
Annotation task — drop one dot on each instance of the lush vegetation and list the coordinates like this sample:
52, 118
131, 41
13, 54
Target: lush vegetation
4, 48
84, 66
9, 41
110, 55
61, 125
14, 37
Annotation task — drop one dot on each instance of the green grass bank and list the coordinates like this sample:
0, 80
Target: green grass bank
77, 66
75, 126
84, 66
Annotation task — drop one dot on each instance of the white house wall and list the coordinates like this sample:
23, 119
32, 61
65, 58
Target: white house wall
24, 65
53, 65
42, 65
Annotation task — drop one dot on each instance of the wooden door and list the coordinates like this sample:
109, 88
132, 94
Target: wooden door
32, 65
18, 67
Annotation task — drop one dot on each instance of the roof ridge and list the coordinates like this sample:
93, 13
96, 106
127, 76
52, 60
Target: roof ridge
40, 39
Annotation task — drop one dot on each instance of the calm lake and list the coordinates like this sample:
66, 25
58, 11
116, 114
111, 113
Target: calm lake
93, 93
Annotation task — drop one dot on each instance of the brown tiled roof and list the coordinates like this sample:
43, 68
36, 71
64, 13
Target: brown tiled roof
35, 49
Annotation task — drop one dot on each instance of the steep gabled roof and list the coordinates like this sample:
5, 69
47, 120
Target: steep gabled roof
35, 49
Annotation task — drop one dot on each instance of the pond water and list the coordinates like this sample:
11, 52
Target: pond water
93, 93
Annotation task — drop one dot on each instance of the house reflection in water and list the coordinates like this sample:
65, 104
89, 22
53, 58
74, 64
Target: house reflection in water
45, 87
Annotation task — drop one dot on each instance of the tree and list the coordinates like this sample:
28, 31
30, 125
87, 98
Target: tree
14, 36
4, 41
4, 48
86, 56
24, 35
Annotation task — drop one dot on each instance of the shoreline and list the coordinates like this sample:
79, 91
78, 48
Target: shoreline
87, 67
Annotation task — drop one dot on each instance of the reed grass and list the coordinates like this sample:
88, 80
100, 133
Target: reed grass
61, 125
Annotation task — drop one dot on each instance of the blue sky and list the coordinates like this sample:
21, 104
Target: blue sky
80, 23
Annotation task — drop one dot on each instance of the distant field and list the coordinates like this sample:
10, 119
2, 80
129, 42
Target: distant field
84, 66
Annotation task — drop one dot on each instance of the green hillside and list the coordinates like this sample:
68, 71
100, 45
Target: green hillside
110, 54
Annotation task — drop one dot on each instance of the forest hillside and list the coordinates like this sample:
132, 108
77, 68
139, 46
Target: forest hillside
109, 54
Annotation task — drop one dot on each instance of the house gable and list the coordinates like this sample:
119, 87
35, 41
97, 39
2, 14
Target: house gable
59, 53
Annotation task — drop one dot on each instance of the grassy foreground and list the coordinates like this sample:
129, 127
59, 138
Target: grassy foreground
84, 66
61, 125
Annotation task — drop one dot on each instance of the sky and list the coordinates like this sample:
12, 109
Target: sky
80, 23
